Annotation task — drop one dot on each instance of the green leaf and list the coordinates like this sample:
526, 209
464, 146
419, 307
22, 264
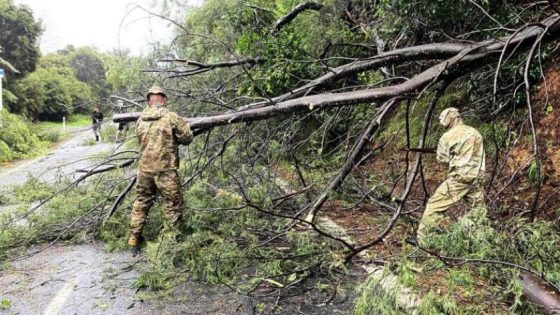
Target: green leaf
5, 304
292, 277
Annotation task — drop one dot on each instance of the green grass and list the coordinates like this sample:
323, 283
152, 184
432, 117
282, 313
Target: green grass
72, 121
52, 132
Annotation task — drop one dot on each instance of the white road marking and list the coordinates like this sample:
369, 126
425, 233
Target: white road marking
56, 304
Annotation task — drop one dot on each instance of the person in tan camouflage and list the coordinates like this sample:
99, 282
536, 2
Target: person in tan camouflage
159, 132
462, 147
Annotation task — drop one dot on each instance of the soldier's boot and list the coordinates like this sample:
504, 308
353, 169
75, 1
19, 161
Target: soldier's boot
134, 241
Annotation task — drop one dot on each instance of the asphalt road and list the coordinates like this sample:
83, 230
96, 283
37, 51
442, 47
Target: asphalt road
85, 279
69, 156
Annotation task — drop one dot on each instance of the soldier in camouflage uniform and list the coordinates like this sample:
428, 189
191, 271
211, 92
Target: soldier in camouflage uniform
461, 146
159, 133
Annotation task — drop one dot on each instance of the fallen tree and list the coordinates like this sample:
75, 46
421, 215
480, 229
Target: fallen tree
313, 136
464, 58
452, 60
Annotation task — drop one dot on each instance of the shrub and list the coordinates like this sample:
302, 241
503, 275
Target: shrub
16, 139
49, 134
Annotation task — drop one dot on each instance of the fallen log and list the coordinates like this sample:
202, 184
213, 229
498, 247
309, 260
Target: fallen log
539, 293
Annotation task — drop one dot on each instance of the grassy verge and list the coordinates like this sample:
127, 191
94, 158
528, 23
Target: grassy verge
21, 139
53, 132
72, 121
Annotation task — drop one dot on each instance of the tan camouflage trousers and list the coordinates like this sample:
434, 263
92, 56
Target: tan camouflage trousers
147, 185
449, 193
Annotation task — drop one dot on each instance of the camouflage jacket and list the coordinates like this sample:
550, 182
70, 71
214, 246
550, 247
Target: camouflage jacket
462, 147
159, 133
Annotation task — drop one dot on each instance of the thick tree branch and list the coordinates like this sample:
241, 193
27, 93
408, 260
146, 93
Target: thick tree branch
121, 197
465, 58
327, 100
294, 13
126, 100
103, 169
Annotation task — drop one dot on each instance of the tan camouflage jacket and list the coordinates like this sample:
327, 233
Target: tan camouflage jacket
159, 133
462, 147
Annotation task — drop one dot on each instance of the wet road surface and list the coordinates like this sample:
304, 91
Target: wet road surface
84, 279
68, 157
79, 279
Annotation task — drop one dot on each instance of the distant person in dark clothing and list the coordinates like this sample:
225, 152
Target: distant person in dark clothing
97, 120
121, 130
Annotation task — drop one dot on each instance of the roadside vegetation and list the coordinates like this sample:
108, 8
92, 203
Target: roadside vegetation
22, 139
40, 90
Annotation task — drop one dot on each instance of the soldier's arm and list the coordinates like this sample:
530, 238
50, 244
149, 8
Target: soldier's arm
183, 131
442, 153
138, 131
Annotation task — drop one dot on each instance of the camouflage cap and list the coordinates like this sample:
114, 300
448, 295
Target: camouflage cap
448, 115
155, 90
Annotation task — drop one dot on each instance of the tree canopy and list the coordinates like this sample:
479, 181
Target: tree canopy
19, 39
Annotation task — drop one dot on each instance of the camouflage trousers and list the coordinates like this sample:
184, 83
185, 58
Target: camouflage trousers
450, 192
147, 185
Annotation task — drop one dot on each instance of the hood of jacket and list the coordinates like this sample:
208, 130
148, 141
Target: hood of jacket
153, 112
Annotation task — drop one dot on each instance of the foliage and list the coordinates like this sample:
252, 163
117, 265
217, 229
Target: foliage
222, 245
56, 219
52, 135
122, 71
527, 246
17, 139
71, 80
108, 132
32, 190
89, 68
19, 38
5, 304
474, 278
289, 56
533, 172
433, 21
87, 65
372, 300
50, 93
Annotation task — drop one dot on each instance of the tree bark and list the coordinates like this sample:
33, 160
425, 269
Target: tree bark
294, 13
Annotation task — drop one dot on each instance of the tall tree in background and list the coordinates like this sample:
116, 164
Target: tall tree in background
88, 66
19, 38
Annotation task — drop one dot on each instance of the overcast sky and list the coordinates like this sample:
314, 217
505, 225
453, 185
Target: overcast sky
105, 24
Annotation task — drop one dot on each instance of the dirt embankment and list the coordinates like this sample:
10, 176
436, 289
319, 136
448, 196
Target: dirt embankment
546, 107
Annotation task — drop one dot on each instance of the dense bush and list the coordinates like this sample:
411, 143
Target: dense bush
16, 139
